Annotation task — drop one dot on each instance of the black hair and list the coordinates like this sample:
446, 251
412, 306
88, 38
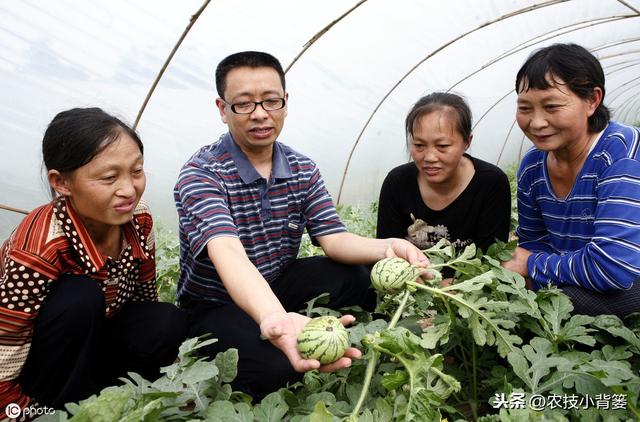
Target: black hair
441, 101
579, 70
251, 59
74, 137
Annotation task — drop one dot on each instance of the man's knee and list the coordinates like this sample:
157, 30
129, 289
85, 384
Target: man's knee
266, 374
173, 326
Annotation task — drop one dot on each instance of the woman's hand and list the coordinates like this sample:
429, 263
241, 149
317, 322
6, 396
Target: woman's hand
518, 262
282, 330
407, 251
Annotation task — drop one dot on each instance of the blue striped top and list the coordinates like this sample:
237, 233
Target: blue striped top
220, 193
592, 238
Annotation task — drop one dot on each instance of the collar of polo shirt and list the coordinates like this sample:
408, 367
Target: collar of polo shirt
280, 170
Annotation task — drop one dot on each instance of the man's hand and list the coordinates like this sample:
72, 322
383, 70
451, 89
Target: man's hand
282, 330
407, 251
518, 262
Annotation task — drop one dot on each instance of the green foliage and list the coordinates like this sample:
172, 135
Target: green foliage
512, 173
358, 220
188, 389
167, 263
430, 352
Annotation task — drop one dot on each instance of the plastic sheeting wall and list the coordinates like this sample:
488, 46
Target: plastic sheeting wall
349, 92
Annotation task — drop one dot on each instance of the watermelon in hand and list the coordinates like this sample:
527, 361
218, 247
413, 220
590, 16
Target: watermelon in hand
324, 339
391, 274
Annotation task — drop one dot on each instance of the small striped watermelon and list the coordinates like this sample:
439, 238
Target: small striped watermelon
391, 274
324, 339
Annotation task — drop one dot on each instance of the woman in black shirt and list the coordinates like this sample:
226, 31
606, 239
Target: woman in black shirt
444, 192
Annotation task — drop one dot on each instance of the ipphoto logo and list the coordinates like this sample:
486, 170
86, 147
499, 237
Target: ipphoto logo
13, 410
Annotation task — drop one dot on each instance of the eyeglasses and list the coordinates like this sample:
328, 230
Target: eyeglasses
248, 107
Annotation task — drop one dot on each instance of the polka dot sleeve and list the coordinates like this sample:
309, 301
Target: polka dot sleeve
22, 291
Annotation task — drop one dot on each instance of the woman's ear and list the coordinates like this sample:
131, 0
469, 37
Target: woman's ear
58, 182
468, 143
595, 100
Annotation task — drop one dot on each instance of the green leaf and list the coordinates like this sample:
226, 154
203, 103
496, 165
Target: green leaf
227, 363
398, 340
382, 410
356, 332
149, 412
541, 360
438, 332
108, 406
580, 382
224, 411
321, 299
522, 300
320, 413
395, 380
555, 308
221, 392
199, 371
609, 352
325, 397
192, 344
609, 372
271, 409
575, 330
473, 284
520, 366
502, 251
614, 325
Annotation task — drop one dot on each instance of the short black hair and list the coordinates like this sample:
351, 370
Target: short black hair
580, 71
441, 101
74, 137
251, 59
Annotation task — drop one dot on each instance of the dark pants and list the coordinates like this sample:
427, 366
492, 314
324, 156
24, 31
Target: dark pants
620, 303
262, 368
75, 351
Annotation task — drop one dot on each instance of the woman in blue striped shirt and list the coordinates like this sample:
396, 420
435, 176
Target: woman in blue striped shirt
579, 187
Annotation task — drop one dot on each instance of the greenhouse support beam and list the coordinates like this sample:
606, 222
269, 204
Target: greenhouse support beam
192, 21
12, 209
500, 18
320, 33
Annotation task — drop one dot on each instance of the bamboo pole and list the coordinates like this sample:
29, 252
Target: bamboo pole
629, 6
627, 64
541, 38
504, 144
510, 92
629, 105
192, 21
521, 145
619, 87
433, 53
320, 33
12, 209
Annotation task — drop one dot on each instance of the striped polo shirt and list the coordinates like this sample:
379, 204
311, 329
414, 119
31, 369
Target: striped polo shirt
220, 193
591, 238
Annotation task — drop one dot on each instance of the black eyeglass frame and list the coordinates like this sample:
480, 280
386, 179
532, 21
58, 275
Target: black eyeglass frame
255, 105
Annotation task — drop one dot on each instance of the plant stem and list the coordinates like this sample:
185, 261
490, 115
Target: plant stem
465, 304
371, 366
373, 361
633, 409
474, 381
447, 264
398, 314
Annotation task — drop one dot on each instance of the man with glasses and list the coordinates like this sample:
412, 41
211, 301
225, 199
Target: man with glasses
243, 204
